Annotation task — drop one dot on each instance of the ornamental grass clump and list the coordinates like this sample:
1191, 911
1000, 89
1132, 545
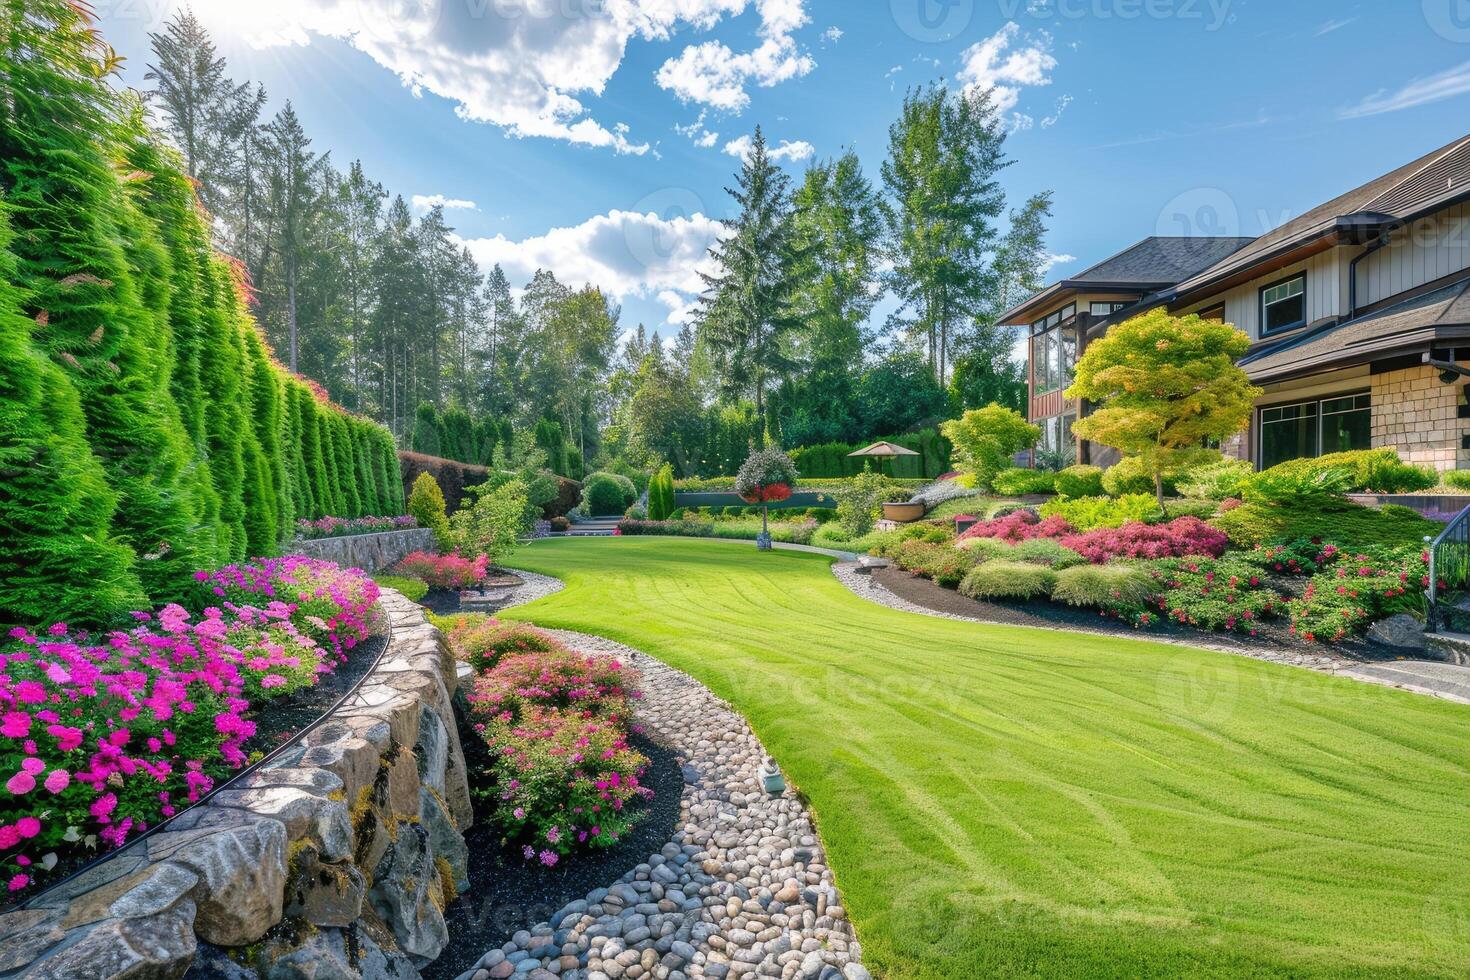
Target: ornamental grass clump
1001, 579
561, 774
1116, 590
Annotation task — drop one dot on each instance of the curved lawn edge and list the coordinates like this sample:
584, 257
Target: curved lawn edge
1245, 794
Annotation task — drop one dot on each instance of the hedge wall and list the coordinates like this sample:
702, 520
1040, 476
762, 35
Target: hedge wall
831, 459
451, 475
146, 431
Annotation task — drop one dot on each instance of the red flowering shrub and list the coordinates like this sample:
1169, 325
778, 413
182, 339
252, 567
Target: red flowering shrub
1227, 594
1181, 536
1019, 525
1357, 591
561, 772
444, 571
102, 736
483, 642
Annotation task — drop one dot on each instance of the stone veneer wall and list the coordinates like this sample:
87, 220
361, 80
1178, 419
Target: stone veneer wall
336, 861
369, 552
1415, 413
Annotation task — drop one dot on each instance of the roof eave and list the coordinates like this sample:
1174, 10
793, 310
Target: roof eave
1382, 348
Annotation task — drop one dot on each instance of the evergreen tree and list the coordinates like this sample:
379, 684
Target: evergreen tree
294, 170
426, 431
747, 314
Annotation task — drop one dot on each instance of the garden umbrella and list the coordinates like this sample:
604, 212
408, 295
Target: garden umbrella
883, 450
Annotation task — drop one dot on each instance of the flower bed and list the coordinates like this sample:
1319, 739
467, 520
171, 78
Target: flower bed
103, 736
560, 775
340, 527
446, 572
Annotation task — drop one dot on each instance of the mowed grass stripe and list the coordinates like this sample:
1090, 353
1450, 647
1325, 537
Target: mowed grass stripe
1000, 800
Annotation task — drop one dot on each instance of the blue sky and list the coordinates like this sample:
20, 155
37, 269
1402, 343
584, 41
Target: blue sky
594, 136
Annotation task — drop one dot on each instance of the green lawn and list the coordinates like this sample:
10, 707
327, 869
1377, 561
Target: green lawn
1004, 801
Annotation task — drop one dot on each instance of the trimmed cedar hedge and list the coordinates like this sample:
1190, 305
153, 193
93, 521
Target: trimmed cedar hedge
831, 459
146, 430
452, 476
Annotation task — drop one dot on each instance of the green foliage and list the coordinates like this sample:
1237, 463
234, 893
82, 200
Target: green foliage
1359, 470
425, 438
1019, 481
1118, 589
1080, 480
985, 439
1458, 479
1228, 593
1087, 513
1215, 481
1001, 580
603, 495
1164, 386
494, 523
1297, 485
944, 564
413, 589
426, 505
661, 494
859, 503
1039, 551
1333, 521
1131, 475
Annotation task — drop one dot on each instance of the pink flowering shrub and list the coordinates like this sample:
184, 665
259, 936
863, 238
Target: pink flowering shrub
1018, 525
1181, 536
337, 527
444, 571
1358, 590
334, 607
103, 736
561, 774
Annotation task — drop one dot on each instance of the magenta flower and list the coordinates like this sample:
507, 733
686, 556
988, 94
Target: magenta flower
21, 783
58, 780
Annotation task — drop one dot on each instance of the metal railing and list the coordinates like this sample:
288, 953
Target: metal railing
1449, 562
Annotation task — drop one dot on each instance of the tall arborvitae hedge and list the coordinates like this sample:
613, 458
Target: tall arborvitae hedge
146, 430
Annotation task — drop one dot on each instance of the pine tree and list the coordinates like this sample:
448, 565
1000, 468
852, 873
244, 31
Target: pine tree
747, 313
294, 170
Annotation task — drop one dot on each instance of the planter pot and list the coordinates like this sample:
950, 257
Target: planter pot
903, 513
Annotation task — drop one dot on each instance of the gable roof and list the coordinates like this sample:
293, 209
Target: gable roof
1440, 315
1154, 263
1431, 182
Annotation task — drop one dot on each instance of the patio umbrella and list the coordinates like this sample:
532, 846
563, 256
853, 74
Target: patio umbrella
882, 451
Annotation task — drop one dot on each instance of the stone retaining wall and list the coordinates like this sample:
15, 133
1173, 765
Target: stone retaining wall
336, 861
369, 552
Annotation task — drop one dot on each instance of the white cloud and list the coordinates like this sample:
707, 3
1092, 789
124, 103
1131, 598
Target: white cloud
1054, 259
995, 65
697, 133
795, 151
1056, 116
1421, 91
523, 65
423, 202
624, 252
832, 35
712, 74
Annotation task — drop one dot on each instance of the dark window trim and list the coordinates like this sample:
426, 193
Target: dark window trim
1317, 404
1261, 303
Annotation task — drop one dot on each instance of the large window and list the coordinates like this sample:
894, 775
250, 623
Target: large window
1054, 350
1284, 304
1315, 428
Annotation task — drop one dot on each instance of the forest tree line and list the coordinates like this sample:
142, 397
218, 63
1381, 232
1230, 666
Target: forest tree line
391, 312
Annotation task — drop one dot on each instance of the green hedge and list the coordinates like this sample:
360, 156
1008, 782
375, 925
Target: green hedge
832, 460
147, 432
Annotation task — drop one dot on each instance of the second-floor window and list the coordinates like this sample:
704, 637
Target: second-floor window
1106, 309
1284, 304
1054, 350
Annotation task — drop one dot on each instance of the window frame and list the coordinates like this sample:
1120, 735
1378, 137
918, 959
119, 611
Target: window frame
1317, 420
1261, 303
1048, 370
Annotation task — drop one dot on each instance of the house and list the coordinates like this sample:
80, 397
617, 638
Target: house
1358, 313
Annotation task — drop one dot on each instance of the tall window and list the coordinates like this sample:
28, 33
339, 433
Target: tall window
1284, 304
1315, 428
1054, 350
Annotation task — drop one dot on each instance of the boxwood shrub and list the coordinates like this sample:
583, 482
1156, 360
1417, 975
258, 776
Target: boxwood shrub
1004, 579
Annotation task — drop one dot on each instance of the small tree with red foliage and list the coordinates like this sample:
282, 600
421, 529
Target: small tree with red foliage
768, 476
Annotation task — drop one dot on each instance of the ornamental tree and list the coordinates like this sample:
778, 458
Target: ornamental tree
1166, 386
986, 438
767, 476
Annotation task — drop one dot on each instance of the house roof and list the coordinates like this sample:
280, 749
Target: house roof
1154, 263
1426, 184
1410, 326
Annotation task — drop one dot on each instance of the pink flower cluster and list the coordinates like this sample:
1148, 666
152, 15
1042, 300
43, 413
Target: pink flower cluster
1018, 525
337, 608
562, 774
1179, 537
444, 571
102, 736
337, 527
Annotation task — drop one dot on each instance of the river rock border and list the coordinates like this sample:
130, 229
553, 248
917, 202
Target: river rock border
334, 861
741, 890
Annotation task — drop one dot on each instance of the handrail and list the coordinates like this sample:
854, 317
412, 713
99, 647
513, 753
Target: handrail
1457, 533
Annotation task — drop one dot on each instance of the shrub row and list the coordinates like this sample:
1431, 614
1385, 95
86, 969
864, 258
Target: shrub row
340, 527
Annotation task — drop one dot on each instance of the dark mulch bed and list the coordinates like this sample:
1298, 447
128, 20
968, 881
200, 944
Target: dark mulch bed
441, 602
1272, 635
508, 893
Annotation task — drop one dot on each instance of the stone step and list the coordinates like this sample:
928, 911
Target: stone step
1450, 648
